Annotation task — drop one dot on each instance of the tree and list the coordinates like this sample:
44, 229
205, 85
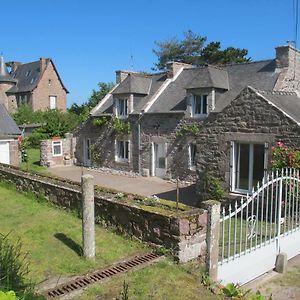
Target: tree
84, 109
192, 50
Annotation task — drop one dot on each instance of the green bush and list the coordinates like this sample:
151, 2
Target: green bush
10, 295
13, 266
35, 139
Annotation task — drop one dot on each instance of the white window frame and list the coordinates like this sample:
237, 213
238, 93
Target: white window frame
191, 165
234, 165
122, 158
193, 106
124, 114
54, 144
50, 103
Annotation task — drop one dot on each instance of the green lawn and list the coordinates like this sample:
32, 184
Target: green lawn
33, 163
52, 237
163, 281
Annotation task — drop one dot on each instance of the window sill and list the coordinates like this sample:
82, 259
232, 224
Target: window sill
192, 168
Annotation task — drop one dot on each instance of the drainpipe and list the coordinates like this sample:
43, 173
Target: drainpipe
139, 140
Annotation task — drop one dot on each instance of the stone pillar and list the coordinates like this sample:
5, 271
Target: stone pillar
88, 216
212, 237
281, 263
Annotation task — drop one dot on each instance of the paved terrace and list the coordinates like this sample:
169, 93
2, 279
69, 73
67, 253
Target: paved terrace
137, 185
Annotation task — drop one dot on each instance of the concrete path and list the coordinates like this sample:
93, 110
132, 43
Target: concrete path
137, 185
281, 286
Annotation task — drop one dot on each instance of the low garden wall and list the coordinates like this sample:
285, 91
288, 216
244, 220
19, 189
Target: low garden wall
182, 231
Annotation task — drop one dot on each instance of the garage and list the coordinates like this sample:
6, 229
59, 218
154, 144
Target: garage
4, 152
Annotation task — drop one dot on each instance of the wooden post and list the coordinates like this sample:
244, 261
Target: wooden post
88, 216
177, 193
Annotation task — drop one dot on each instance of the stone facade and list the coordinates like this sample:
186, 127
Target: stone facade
184, 233
154, 128
67, 154
250, 119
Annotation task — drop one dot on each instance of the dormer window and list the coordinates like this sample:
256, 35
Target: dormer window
122, 108
199, 106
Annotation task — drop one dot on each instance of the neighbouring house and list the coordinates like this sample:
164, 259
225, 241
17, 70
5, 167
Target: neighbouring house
9, 134
36, 84
173, 123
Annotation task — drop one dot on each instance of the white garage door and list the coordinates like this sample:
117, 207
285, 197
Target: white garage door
4, 152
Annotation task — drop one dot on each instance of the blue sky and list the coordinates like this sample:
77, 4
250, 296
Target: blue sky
88, 40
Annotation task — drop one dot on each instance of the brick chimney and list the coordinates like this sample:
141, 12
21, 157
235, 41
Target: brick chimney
174, 67
43, 63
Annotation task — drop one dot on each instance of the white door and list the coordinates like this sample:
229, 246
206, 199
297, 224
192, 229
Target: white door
52, 102
4, 152
87, 152
160, 159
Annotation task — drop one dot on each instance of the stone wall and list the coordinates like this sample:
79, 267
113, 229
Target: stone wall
155, 128
184, 233
248, 118
67, 156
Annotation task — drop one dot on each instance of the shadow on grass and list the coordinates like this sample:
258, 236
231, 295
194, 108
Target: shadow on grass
69, 243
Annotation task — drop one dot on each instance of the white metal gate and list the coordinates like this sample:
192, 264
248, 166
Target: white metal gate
259, 226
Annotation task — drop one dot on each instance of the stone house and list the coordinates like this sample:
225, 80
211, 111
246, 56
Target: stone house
37, 84
180, 119
9, 134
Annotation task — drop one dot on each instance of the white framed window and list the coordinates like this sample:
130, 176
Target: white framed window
192, 156
248, 165
199, 106
57, 148
122, 108
52, 102
122, 151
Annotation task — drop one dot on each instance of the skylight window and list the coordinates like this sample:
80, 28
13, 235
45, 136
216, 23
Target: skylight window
32, 80
27, 73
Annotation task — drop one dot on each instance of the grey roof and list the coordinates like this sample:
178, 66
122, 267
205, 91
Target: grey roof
134, 84
28, 76
156, 80
229, 79
287, 102
8, 126
4, 75
209, 76
260, 75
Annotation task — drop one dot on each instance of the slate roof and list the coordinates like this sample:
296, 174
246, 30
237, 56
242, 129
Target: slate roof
208, 76
156, 80
134, 84
8, 126
28, 76
229, 79
287, 102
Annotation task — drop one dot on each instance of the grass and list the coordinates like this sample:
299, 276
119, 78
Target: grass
33, 162
163, 280
52, 237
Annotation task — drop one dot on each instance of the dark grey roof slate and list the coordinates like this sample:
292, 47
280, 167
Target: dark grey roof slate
134, 84
156, 81
28, 76
8, 126
260, 75
288, 102
209, 76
